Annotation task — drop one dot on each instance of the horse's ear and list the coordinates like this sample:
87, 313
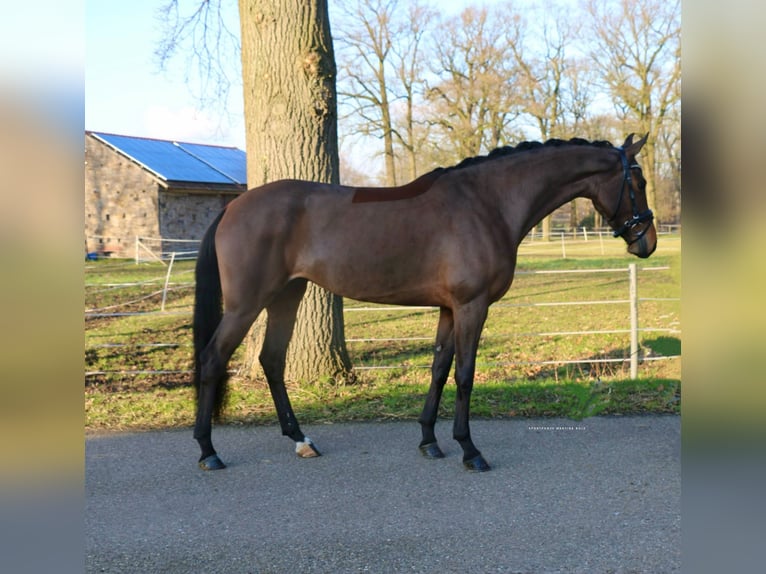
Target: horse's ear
631, 148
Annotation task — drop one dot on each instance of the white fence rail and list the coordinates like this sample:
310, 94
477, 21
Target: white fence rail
159, 249
633, 328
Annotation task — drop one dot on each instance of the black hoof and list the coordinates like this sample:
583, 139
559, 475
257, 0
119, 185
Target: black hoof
431, 450
211, 463
477, 464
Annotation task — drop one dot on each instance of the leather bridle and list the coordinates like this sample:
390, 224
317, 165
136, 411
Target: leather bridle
638, 217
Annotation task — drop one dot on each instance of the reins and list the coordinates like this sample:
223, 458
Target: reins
638, 217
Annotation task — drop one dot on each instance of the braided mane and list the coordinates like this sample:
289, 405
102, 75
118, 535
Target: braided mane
523, 147
425, 181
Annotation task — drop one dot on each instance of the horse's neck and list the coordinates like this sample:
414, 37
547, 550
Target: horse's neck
542, 188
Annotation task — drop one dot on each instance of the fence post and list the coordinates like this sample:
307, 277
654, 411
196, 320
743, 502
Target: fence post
563, 247
167, 280
633, 321
139, 244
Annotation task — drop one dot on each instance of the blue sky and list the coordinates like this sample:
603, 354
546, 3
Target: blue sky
125, 92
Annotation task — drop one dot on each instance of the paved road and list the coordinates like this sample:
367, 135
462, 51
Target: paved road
598, 496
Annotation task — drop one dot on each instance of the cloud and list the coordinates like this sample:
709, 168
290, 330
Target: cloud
186, 124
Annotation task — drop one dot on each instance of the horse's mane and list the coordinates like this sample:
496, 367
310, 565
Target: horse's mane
425, 181
520, 148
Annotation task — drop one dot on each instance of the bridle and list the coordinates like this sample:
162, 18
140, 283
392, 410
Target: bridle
638, 217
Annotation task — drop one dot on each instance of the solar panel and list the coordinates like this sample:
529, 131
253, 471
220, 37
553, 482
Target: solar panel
232, 162
181, 161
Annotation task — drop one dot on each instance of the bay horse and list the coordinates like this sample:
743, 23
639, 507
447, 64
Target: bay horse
449, 239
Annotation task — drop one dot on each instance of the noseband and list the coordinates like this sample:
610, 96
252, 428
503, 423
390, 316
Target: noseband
638, 217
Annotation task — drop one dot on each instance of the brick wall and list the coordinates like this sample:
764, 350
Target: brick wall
120, 200
188, 215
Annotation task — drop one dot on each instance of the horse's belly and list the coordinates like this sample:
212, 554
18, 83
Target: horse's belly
402, 277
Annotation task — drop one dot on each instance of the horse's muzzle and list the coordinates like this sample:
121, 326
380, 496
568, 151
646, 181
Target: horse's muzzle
645, 245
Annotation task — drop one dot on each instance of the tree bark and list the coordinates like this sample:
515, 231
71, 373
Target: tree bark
288, 71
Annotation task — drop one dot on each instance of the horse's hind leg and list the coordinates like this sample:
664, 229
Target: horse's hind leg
444, 351
279, 330
213, 360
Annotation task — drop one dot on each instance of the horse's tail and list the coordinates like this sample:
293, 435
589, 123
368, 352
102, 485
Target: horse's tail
208, 307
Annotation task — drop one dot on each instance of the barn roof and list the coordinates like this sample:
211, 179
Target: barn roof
181, 162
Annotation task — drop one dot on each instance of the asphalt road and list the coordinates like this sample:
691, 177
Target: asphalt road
597, 496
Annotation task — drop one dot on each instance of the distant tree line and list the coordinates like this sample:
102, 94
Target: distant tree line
434, 89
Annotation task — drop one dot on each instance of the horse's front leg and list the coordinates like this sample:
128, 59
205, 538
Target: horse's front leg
469, 321
444, 351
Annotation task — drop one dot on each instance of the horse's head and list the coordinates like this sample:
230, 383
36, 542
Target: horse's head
622, 202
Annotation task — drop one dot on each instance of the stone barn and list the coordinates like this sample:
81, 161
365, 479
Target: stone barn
154, 190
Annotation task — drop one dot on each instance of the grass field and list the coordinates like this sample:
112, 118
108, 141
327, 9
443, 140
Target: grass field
137, 363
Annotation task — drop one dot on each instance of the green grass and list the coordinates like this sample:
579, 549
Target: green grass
399, 399
394, 377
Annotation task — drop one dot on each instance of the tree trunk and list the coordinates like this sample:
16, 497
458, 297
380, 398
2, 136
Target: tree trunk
648, 159
546, 228
574, 217
288, 71
388, 137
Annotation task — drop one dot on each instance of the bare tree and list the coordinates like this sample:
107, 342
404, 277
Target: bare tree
210, 46
410, 68
638, 53
669, 165
366, 33
541, 77
474, 100
381, 42
554, 95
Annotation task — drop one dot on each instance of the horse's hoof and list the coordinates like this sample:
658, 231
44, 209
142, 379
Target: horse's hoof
212, 462
477, 464
306, 449
431, 450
